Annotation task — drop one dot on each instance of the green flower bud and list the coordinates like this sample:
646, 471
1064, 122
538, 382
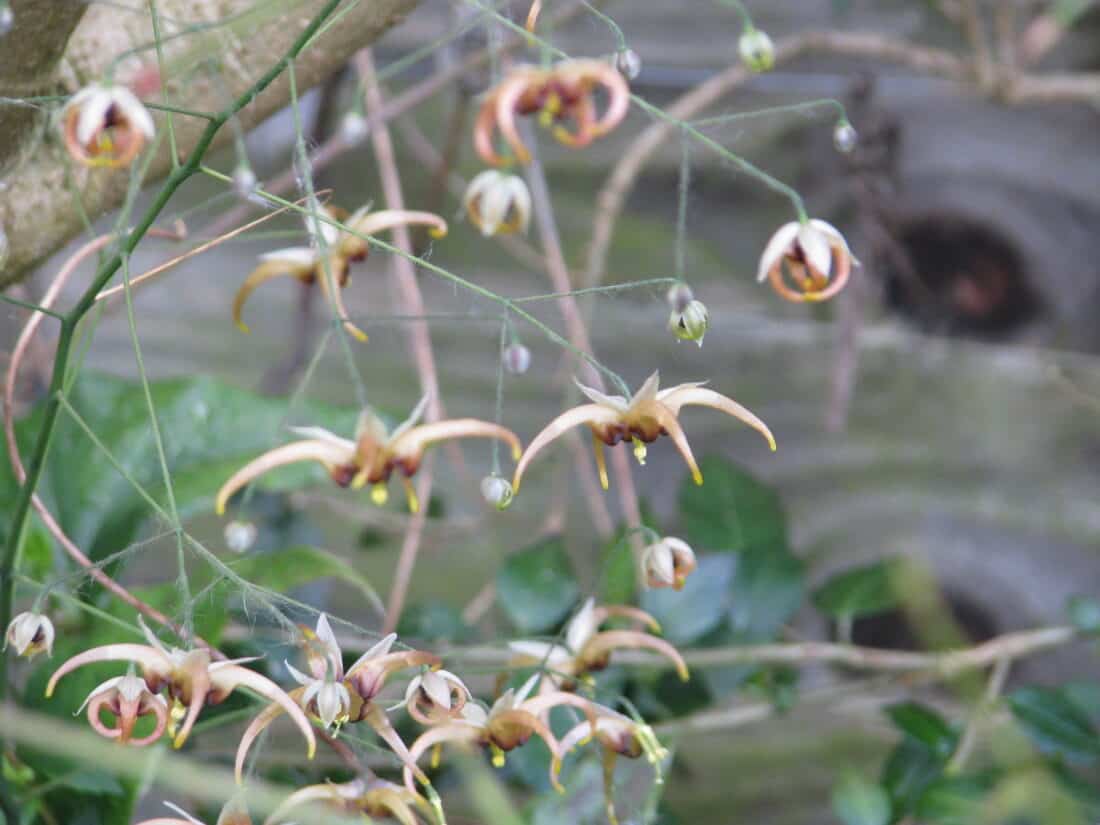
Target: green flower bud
690, 324
757, 50
496, 491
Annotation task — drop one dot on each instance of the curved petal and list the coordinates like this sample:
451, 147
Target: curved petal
626, 611
700, 396
519, 717
609, 640
816, 249
375, 222
375, 651
332, 278
507, 98
615, 402
671, 425
326, 792
583, 113
840, 277
411, 445
618, 98
484, 129
552, 655
133, 110
584, 414
453, 732
649, 389
777, 248
327, 454
268, 269
254, 729
413, 418
229, 678
148, 657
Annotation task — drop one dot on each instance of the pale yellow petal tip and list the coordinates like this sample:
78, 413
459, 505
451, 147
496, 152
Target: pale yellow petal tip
242, 326
697, 477
771, 443
355, 332
49, 691
178, 742
438, 232
516, 453
684, 674
219, 508
312, 750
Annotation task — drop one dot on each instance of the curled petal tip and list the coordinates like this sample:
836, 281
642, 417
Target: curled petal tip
683, 673
355, 333
698, 476
517, 451
438, 232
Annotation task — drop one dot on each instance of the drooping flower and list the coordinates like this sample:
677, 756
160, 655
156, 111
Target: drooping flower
328, 261
189, 678
30, 633
642, 419
336, 696
668, 563
586, 648
497, 203
128, 698
814, 255
372, 457
436, 696
558, 94
105, 126
370, 797
512, 719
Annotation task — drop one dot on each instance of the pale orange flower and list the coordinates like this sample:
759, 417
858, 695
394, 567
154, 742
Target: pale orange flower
105, 126
814, 255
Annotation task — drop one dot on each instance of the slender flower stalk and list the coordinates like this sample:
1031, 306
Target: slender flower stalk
650, 414
372, 457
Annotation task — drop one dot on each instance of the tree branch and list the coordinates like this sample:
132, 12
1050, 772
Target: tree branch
211, 65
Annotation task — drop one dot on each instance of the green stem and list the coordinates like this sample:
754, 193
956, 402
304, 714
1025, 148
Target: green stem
21, 508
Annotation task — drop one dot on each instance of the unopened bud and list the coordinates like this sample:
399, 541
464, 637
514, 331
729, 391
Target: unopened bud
757, 50
628, 63
691, 324
517, 359
244, 182
30, 633
679, 296
845, 137
668, 563
353, 128
496, 491
240, 535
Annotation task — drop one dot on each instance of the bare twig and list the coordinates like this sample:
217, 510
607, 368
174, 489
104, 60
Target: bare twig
993, 690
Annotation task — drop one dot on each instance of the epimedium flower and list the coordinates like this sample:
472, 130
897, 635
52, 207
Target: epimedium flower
510, 722
371, 457
336, 696
30, 633
757, 50
105, 126
436, 696
498, 203
586, 648
688, 320
564, 92
649, 414
814, 255
128, 698
189, 678
370, 797
668, 563
328, 260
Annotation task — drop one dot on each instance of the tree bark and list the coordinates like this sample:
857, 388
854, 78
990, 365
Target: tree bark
212, 51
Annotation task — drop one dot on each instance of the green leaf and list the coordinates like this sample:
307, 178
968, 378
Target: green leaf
767, 591
731, 511
862, 591
36, 554
285, 570
1056, 723
209, 430
858, 801
93, 782
536, 586
1084, 612
924, 725
910, 768
620, 578
953, 801
688, 614
432, 623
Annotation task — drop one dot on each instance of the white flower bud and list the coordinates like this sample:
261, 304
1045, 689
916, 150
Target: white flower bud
498, 204
30, 634
628, 63
757, 50
845, 137
353, 128
679, 296
517, 359
668, 563
496, 491
244, 182
691, 324
240, 535
7, 19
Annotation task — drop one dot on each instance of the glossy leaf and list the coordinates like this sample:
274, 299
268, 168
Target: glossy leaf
731, 511
1056, 723
858, 801
686, 615
862, 591
922, 724
536, 587
767, 591
910, 768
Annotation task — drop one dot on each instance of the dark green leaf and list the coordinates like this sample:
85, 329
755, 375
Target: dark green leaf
432, 623
910, 768
1056, 723
536, 587
924, 725
685, 615
858, 801
731, 511
863, 591
285, 570
767, 591
1084, 612
93, 782
952, 801
620, 578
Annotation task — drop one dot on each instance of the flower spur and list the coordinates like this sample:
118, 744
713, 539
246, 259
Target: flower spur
650, 413
371, 457
328, 261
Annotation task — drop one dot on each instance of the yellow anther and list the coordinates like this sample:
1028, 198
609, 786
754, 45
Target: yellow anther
639, 450
379, 494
